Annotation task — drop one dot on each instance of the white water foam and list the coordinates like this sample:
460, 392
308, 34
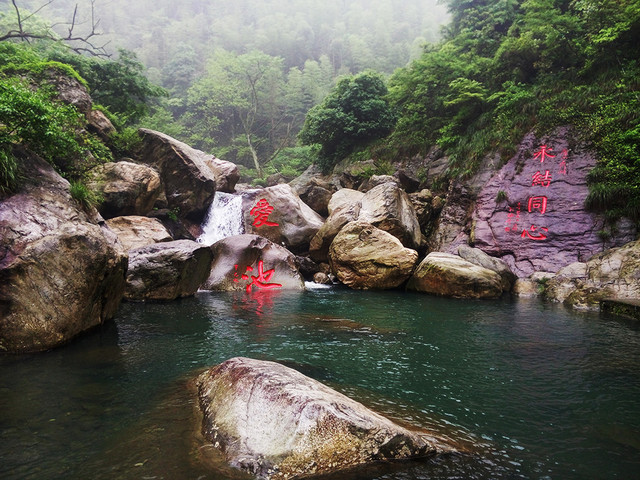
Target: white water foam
223, 220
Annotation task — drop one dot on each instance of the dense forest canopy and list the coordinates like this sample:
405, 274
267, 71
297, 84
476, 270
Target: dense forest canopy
240, 77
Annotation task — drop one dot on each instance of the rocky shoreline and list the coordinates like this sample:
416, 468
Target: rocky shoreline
378, 236
518, 229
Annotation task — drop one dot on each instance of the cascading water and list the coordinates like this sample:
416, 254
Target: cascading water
223, 220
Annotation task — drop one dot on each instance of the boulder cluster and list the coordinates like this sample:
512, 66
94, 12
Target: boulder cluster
65, 267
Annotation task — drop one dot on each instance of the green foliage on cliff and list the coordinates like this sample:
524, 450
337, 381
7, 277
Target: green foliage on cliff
30, 117
506, 67
355, 113
33, 116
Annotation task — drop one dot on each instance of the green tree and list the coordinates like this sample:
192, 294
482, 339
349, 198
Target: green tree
354, 113
239, 103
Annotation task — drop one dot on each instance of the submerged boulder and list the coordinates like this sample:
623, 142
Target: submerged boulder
365, 257
278, 214
135, 231
125, 188
252, 263
166, 271
449, 275
276, 423
62, 271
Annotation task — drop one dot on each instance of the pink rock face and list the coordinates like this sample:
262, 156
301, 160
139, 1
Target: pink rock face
531, 213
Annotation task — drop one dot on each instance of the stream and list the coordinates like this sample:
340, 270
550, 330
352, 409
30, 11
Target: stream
539, 391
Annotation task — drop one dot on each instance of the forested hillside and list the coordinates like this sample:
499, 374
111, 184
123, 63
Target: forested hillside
506, 67
240, 78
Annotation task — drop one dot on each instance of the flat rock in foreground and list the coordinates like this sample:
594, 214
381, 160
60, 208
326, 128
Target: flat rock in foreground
274, 422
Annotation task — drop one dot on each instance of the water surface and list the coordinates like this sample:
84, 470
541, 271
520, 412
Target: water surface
542, 392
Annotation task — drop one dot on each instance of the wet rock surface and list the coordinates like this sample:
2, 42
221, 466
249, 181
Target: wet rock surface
61, 272
276, 423
365, 257
253, 264
451, 276
166, 271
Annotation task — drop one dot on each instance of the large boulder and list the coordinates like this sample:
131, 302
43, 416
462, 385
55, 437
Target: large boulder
277, 213
614, 274
344, 196
135, 231
166, 271
449, 275
388, 208
340, 216
125, 188
227, 173
365, 257
98, 123
68, 89
186, 173
531, 213
61, 272
252, 263
478, 257
276, 423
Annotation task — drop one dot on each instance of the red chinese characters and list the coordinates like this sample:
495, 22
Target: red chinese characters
534, 234
261, 211
261, 281
541, 179
537, 204
543, 153
512, 218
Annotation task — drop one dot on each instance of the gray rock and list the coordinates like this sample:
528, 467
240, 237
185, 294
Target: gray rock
451, 276
613, 274
276, 423
125, 188
61, 273
478, 257
365, 257
278, 214
388, 208
376, 180
98, 123
226, 173
186, 173
252, 263
166, 271
344, 196
136, 232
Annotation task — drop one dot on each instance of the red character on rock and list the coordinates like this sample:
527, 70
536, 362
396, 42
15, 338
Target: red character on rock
261, 211
543, 152
536, 235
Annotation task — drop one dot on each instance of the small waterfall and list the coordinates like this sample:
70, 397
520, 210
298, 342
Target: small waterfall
223, 220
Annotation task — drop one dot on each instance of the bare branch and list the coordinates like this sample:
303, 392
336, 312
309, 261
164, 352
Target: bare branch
76, 43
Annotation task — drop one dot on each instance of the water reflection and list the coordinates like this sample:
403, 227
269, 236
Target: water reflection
540, 392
